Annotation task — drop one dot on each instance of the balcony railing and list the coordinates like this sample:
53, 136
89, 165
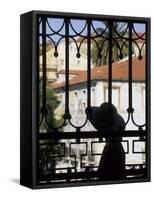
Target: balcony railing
76, 156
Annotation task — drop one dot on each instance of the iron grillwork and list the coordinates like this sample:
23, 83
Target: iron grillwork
69, 157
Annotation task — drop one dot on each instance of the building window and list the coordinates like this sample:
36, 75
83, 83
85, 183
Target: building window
76, 94
93, 96
76, 102
84, 95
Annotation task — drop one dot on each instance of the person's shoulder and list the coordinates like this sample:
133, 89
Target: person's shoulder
119, 121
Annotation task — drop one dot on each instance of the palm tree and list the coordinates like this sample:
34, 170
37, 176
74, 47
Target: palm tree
100, 49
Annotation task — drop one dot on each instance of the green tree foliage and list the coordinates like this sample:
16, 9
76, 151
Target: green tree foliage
52, 102
100, 56
48, 147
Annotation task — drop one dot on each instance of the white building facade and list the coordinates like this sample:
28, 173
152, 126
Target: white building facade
99, 94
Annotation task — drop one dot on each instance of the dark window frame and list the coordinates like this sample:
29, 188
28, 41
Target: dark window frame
32, 23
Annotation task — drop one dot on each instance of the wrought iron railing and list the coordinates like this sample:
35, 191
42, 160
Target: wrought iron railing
75, 169
70, 156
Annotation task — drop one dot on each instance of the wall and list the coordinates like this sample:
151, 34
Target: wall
9, 101
54, 64
99, 94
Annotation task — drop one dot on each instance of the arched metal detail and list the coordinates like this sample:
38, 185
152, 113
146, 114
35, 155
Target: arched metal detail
110, 36
85, 99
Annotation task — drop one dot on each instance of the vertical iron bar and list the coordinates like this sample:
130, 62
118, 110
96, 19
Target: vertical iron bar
67, 68
37, 96
130, 68
110, 64
147, 74
147, 97
89, 63
44, 62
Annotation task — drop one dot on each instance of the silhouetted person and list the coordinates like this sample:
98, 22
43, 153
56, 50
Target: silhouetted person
112, 162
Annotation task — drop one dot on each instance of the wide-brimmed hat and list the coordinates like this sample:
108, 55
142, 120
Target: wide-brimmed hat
105, 117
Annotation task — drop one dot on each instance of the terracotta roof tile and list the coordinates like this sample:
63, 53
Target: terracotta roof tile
72, 72
119, 72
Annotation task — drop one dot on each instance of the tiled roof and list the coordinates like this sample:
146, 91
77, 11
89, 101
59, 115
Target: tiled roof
119, 73
71, 71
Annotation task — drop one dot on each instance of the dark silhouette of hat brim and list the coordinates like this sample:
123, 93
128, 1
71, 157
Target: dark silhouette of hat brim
105, 119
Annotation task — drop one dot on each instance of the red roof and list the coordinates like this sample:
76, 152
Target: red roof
119, 72
71, 71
